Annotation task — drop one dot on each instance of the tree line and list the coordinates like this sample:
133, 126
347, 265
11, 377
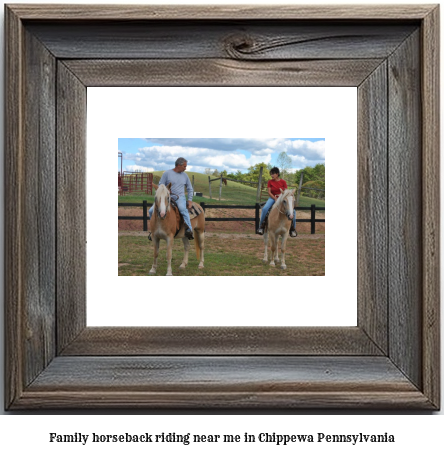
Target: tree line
314, 176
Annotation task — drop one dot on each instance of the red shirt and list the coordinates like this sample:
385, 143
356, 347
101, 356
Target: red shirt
275, 186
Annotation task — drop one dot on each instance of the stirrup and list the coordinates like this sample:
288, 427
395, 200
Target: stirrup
189, 234
293, 233
260, 231
149, 236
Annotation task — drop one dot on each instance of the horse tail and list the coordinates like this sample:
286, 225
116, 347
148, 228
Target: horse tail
197, 247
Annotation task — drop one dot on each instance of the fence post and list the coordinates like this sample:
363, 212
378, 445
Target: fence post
209, 185
299, 189
313, 218
220, 188
256, 216
259, 185
145, 216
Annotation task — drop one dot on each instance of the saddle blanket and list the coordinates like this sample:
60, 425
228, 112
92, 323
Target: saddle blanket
194, 211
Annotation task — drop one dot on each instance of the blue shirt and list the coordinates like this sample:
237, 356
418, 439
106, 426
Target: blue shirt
178, 182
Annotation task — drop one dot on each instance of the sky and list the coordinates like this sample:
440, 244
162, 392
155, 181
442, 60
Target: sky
230, 154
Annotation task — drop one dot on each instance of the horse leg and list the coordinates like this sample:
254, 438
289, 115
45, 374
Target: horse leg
283, 247
201, 242
265, 259
156, 254
273, 239
276, 253
186, 247
170, 241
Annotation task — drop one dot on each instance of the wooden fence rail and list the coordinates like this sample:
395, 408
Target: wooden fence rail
312, 220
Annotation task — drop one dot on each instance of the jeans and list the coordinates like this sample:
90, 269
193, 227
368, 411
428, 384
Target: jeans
267, 207
182, 205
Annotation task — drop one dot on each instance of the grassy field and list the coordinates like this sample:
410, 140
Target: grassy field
225, 255
232, 194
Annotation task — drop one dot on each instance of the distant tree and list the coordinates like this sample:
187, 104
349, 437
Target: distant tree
314, 177
284, 163
253, 172
208, 171
216, 173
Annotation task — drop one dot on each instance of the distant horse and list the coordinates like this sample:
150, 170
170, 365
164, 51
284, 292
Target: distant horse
278, 224
224, 181
164, 225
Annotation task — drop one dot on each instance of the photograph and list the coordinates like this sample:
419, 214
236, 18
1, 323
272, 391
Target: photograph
221, 206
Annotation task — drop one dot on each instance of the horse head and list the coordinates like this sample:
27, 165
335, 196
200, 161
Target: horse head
162, 200
285, 203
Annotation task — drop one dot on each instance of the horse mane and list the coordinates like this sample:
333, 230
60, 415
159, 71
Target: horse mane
161, 190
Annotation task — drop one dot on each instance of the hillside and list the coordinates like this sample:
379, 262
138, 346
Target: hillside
232, 193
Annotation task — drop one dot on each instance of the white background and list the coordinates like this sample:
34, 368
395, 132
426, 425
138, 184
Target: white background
222, 112
416, 433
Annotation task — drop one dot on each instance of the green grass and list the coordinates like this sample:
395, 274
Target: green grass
223, 257
232, 194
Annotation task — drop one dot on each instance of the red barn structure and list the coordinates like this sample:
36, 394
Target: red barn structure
135, 182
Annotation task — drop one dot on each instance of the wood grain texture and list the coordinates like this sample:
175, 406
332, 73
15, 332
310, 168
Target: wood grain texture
127, 341
372, 207
71, 206
220, 12
236, 40
233, 382
221, 72
38, 221
430, 94
13, 207
405, 209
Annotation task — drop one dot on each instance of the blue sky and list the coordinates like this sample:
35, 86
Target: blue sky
230, 154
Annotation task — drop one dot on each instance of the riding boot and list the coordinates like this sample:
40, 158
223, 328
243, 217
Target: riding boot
293, 232
189, 234
260, 230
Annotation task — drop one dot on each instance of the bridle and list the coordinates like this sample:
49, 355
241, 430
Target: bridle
158, 208
287, 211
170, 194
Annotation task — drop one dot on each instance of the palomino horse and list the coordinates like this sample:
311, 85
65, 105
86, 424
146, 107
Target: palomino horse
278, 224
163, 226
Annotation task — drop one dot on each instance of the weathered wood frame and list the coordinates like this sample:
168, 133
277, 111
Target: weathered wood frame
390, 360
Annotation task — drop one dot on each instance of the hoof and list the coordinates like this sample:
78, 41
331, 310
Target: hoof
182, 266
272, 264
152, 272
283, 266
265, 260
169, 274
201, 266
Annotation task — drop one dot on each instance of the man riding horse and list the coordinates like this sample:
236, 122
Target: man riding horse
178, 180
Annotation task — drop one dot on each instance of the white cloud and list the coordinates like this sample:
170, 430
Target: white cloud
230, 154
253, 145
164, 157
308, 149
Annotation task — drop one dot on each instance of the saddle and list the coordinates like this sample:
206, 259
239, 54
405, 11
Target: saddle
194, 212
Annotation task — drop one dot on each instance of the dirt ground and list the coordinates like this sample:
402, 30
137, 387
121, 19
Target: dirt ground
305, 253
228, 229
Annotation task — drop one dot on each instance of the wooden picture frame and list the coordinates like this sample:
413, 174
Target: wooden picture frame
390, 360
